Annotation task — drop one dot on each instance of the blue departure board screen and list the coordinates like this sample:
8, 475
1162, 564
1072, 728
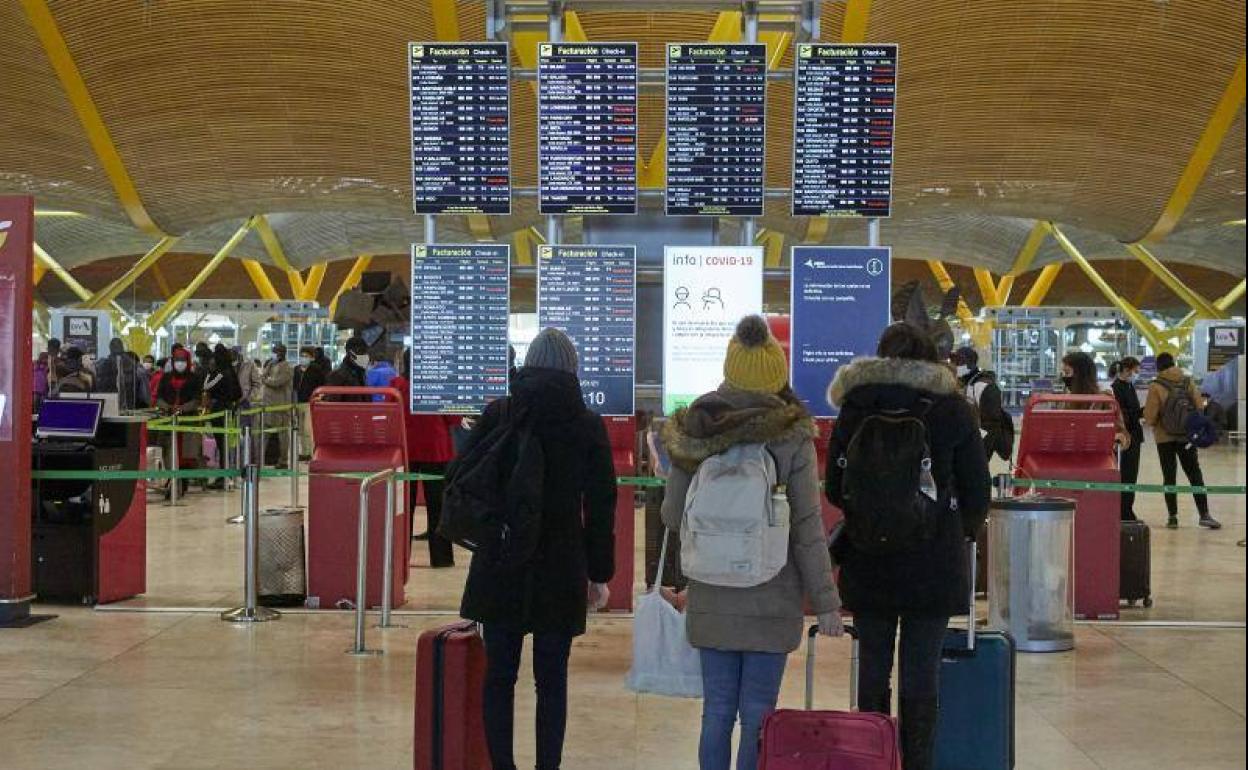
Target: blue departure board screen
460, 308
590, 293
587, 128
716, 128
461, 139
845, 101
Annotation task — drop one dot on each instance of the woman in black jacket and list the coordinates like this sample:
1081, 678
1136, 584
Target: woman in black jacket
575, 557
221, 393
1125, 373
920, 587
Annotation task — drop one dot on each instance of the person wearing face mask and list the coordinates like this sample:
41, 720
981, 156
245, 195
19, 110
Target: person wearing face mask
179, 393
1125, 373
309, 375
352, 371
982, 392
1079, 377
278, 379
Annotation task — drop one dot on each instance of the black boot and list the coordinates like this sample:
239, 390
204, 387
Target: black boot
918, 732
881, 703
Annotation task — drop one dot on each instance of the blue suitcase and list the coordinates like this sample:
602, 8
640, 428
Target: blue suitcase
975, 730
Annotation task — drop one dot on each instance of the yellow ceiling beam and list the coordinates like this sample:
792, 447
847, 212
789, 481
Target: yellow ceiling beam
1223, 305
1193, 300
853, 30
857, 17
351, 281
1004, 287
162, 283
114, 289
946, 283
773, 247
445, 19
49, 34
1044, 283
1027, 254
260, 279
273, 247
312, 286
522, 242
1137, 319
171, 307
37, 274
479, 226
1219, 125
44, 259
987, 287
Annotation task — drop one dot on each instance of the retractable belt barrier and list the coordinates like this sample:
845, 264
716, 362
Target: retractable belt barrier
623, 481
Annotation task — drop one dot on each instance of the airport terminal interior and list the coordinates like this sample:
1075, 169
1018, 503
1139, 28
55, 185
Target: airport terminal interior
268, 269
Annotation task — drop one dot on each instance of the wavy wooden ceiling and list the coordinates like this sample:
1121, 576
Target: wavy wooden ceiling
1081, 112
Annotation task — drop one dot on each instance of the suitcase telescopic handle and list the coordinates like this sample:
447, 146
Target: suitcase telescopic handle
811, 635
970, 608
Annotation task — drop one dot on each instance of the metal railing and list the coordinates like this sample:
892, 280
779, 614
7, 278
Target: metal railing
361, 573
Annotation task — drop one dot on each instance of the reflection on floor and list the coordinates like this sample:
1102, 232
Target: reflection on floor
184, 690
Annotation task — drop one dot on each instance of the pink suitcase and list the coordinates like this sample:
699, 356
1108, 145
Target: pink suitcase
829, 740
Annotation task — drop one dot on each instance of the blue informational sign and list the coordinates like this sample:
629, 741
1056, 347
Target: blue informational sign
840, 301
460, 312
590, 293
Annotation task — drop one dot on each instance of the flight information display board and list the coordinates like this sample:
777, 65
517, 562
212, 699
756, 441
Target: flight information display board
716, 129
461, 137
460, 308
845, 102
590, 293
587, 128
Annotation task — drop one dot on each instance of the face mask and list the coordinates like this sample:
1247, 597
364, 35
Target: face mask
361, 360
305, 360
963, 370
148, 365
180, 366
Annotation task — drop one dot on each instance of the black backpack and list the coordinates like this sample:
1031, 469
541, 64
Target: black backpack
891, 501
492, 503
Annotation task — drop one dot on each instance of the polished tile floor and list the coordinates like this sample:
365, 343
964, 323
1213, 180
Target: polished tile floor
178, 688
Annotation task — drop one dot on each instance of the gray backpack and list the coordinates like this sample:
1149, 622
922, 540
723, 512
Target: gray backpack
735, 530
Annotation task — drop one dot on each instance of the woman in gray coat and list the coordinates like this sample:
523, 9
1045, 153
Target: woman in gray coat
745, 634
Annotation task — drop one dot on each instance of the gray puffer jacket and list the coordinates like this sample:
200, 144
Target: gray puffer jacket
768, 617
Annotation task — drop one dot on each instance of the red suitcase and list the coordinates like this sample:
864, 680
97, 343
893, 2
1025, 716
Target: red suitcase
450, 672
829, 740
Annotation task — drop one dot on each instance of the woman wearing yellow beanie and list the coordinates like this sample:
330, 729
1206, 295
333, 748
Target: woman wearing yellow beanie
745, 634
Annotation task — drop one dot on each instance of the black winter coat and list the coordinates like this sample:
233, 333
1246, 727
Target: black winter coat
577, 541
347, 375
933, 579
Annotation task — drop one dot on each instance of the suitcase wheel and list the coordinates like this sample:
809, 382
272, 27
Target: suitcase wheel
1148, 602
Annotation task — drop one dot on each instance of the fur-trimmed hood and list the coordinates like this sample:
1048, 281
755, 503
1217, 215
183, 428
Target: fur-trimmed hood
922, 376
726, 417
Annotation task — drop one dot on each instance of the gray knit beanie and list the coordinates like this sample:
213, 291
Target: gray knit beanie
552, 349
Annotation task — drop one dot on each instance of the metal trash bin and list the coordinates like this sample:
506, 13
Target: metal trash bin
1030, 571
281, 577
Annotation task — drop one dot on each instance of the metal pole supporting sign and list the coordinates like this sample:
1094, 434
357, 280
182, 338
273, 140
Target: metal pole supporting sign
394, 496
251, 611
361, 571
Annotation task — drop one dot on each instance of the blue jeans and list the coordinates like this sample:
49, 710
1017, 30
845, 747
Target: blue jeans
743, 685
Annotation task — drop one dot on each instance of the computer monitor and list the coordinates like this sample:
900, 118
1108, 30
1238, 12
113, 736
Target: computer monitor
111, 401
69, 418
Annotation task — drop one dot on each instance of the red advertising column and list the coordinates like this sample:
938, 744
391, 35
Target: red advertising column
17, 221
